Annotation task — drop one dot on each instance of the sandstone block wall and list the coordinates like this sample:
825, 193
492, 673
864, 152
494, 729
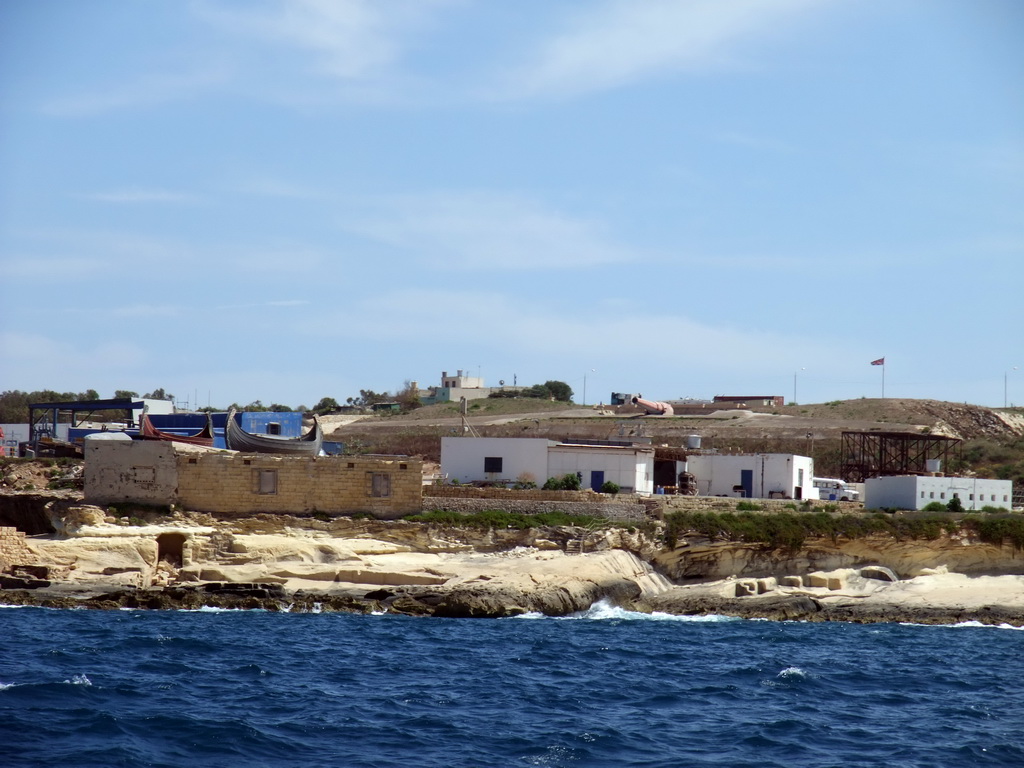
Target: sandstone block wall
13, 549
625, 509
141, 471
235, 483
503, 494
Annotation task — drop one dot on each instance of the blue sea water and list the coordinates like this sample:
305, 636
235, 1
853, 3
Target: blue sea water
605, 688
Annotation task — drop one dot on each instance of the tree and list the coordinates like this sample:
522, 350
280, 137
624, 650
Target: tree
368, 397
326, 405
409, 396
559, 390
280, 408
127, 394
158, 394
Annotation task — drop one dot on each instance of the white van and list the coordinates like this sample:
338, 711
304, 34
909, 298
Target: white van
831, 489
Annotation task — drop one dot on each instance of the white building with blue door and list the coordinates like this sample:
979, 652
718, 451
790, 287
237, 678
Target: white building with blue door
753, 475
507, 460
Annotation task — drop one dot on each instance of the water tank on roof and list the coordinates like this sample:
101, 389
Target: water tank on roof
932, 465
693, 441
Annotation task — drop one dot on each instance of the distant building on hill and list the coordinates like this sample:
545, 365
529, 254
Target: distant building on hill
454, 388
752, 400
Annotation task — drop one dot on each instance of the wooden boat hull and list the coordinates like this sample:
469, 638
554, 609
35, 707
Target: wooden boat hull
238, 439
204, 437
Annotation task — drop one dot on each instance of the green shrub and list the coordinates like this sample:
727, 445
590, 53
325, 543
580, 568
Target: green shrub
955, 505
790, 530
934, 506
609, 487
748, 506
497, 518
569, 482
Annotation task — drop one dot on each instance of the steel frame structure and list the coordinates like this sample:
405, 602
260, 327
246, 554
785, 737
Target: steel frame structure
877, 454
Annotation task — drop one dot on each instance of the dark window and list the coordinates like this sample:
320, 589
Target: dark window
267, 481
492, 463
273, 428
380, 485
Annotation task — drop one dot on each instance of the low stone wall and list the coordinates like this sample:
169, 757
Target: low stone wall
622, 508
507, 494
13, 549
669, 504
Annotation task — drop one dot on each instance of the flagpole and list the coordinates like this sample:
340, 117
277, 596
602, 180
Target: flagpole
883, 380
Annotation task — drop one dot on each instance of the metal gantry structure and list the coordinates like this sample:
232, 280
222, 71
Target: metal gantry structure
877, 454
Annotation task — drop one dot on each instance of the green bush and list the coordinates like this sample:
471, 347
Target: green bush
955, 505
569, 482
934, 506
748, 506
609, 487
790, 530
497, 518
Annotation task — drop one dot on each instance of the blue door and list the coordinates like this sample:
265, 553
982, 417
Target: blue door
747, 481
596, 480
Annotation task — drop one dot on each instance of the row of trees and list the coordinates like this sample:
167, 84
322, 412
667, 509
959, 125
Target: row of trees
14, 403
549, 390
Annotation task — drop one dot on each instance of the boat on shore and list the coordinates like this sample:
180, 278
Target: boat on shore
238, 439
203, 437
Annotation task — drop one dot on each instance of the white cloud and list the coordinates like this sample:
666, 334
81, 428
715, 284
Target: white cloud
350, 39
143, 91
140, 195
485, 231
519, 327
616, 42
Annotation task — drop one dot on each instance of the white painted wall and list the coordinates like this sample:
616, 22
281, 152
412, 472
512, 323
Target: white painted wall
630, 467
144, 471
780, 473
462, 458
914, 492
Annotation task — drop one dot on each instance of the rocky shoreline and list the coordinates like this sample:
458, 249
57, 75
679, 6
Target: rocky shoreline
189, 561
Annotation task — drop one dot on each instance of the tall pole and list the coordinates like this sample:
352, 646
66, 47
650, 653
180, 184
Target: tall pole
592, 370
1006, 400
794, 384
883, 380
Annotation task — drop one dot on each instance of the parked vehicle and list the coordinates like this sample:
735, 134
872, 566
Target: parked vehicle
832, 489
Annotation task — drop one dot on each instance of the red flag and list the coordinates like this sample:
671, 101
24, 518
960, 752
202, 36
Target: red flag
879, 361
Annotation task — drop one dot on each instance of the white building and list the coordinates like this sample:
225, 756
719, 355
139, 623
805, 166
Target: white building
917, 492
511, 459
753, 475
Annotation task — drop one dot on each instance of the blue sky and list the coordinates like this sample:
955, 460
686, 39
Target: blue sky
289, 199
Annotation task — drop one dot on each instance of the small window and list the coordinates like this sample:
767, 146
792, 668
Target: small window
403, 466
351, 465
1005, 498
267, 481
931, 494
922, 494
956, 495
193, 461
273, 428
993, 497
942, 495
970, 496
492, 463
380, 485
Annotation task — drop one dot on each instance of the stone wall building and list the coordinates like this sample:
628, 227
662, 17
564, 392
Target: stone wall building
227, 482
